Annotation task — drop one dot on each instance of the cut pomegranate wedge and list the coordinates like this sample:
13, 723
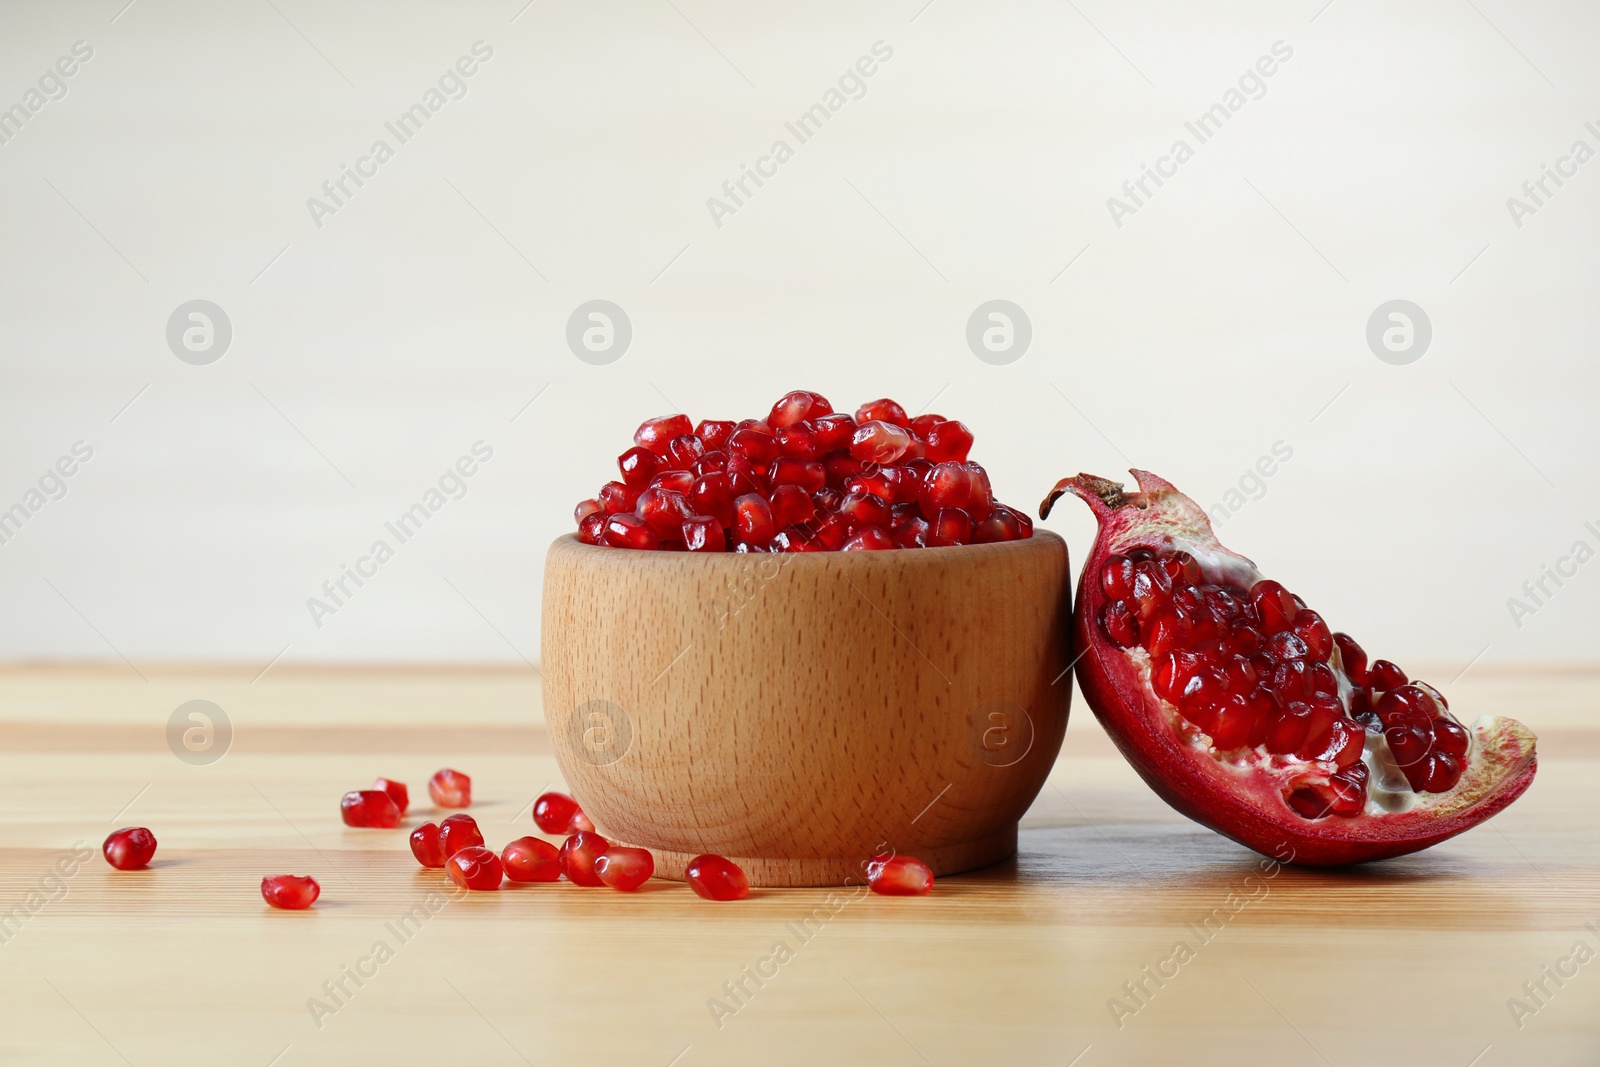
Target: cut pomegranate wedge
1237, 705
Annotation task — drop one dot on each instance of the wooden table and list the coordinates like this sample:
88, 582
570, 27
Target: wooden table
1408, 962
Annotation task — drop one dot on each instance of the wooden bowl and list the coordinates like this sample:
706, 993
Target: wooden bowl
799, 712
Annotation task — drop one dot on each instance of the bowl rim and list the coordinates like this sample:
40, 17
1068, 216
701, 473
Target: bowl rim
890, 557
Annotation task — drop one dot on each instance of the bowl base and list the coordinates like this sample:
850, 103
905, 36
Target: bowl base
768, 872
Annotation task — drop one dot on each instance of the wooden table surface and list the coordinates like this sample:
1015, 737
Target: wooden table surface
1414, 961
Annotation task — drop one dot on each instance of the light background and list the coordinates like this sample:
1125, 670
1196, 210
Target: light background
1227, 314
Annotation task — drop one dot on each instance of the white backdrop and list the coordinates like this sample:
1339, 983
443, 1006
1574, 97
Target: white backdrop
374, 344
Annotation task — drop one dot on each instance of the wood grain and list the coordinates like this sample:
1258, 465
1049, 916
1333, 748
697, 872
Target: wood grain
1410, 961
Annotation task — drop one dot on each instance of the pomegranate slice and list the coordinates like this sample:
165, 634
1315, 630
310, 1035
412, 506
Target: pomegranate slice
1236, 704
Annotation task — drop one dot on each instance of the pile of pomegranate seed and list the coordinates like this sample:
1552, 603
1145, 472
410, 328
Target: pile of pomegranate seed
130, 849
803, 479
1257, 668
899, 876
290, 892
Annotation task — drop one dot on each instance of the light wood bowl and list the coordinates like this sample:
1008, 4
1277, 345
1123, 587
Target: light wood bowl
799, 712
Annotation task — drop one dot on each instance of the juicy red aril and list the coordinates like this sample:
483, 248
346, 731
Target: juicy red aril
528, 859
869, 538
630, 531
1120, 623
397, 792
624, 868
951, 526
578, 854
948, 442
807, 474
791, 505
757, 447
884, 410
427, 845
475, 867
1002, 524
130, 848
798, 441
1383, 675
1354, 659
553, 812
1275, 608
450, 789
617, 497
369, 807
685, 451
716, 878
580, 821
752, 516
702, 533
712, 494
585, 509
290, 892
663, 511
864, 509
591, 529
796, 406
459, 832
879, 442
714, 433
656, 434
899, 876
638, 466
834, 432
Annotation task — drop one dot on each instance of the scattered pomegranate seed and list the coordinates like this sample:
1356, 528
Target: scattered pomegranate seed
578, 855
804, 479
130, 848
528, 859
624, 868
369, 807
899, 876
290, 892
580, 821
475, 867
428, 846
397, 792
459, 832
716, 878
553, 812
450, 789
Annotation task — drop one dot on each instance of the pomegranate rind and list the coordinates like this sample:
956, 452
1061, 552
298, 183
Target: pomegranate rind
1239, 798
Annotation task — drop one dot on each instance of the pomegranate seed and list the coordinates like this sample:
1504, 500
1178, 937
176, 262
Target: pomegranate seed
591, 531
624, 868
579, 821
1285, 645
1383, 675
397, 792
1274, 607
664, 511
130, 849
459, 832
869, 538
879, 442
834, 432
808, 474
923, 423
290, 892
1181, 567
864, 509
911, 533
702, 533
1353, 658
1116, 578
630, 531
1120, 623
754, 445
948, 442
715, 878
528, 859
586, 508
427, 846
884, 410
714, 434
791, 505
578, 855
618, 498
1003, 524
553, 812
638, 466
950, 527
1451, 738
656, 434
369, 807
712, 494
753, 519
798, 441
1309, 628
900, 876
685, 451
450, 789
475, 867
1437, 773
796, 406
